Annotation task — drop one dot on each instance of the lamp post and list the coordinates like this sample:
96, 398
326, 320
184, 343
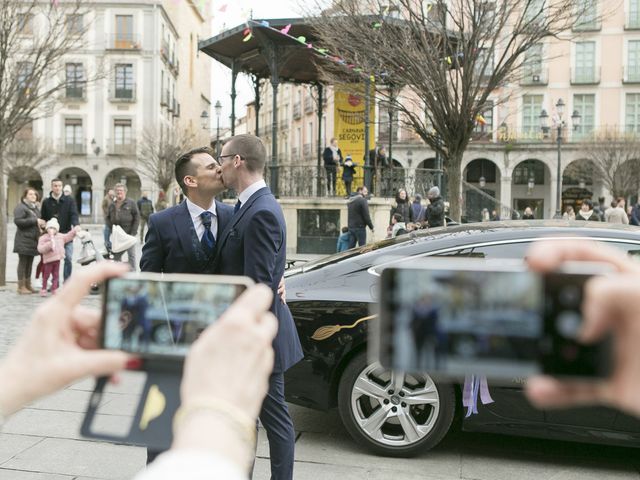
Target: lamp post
218, 109
544, 126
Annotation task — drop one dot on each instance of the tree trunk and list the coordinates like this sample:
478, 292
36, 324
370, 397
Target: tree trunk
3, 221
454, 185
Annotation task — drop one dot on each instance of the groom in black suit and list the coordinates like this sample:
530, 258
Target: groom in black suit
254, 244
182, 239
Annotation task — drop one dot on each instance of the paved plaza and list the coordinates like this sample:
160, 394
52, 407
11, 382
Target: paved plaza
42, 442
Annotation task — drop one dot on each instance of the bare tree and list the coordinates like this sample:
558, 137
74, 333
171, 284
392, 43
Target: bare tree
26, 155
36, 36
614, 157
159, 150
444, 59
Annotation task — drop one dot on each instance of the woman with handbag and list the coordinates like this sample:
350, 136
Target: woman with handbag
26, 216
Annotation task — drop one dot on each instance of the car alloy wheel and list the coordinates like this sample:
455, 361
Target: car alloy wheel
394, 413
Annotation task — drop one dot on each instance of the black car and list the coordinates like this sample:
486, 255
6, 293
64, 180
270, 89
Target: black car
400, 415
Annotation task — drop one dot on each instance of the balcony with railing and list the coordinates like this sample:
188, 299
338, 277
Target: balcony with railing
307, 151
73, 147
585, 76
531, 78
297, 113
308, 105
121, 147
122, 93
295, 154
309, 180
121, 41
631, 74
75, 93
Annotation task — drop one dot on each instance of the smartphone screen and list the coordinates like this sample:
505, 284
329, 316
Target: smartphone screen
160, 317
458, 322
500, 323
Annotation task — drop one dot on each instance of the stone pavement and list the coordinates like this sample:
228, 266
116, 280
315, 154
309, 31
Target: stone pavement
42, 442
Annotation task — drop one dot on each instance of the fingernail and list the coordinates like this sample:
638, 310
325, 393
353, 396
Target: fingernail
134, 364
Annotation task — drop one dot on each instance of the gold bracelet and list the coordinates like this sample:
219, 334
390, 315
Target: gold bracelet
242, 422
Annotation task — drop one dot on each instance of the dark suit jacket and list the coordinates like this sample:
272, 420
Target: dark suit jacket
171, 244
254, 244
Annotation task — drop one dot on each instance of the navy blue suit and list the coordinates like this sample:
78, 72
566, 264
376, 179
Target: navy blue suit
254, 244
171, 244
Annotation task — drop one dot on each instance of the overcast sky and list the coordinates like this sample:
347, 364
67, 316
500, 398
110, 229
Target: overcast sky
237, 11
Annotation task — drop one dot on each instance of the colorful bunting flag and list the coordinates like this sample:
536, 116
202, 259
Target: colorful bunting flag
481, 120
286, 29
223, 8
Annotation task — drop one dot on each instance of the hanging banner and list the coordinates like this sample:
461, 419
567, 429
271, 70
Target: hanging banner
348, 127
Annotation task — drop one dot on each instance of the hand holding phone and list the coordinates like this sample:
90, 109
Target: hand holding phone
500, 320
155, 316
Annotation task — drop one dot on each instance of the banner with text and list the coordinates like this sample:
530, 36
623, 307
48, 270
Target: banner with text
348, 127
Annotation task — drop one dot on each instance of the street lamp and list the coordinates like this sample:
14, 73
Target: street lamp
544, 126
218, 109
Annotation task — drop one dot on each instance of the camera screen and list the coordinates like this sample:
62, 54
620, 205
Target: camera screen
161, 317
462, 322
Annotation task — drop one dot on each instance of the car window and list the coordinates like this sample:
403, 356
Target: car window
519, 249
503, 250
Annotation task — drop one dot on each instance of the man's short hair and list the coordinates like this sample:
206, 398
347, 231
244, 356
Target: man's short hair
398, 217
185, 167
251, 149
56, 180
359, 189
588, 202
345, 229
120, 185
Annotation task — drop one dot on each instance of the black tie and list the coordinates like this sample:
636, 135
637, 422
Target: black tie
237, 207
208, 241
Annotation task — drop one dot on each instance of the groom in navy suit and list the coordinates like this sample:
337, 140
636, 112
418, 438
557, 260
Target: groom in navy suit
254, 244
182, 239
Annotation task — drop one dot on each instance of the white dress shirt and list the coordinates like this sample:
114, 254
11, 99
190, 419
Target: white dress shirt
195, 211
191, 465
250, 190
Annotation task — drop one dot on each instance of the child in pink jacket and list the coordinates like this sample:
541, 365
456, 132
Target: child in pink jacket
51, 246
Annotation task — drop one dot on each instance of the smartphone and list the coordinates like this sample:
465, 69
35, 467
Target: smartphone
453, 318
161, 315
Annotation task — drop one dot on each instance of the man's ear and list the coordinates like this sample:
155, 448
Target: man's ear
190, 181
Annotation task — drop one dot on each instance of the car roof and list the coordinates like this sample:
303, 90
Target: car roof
484, 231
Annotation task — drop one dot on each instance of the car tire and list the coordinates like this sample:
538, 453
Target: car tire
393, 414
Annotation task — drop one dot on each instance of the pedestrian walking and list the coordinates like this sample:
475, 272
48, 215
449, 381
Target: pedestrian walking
145, 207
569, 214
358, 218
29, 225
124, 212
634, 218
332, 157
52, 247
402, 206
64, 209
418, 209
528, 214
586, 212
343, 240
348, 172
617, 214
435, 210
161, 203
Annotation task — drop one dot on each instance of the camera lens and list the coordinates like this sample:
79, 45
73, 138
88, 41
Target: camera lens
570, 296
568, 324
